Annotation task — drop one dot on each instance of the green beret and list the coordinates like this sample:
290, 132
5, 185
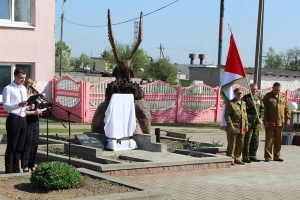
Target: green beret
238, 90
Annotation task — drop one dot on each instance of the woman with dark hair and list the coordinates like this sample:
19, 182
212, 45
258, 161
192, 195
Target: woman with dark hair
32, 135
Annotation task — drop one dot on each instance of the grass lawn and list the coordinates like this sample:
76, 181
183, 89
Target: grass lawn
205, 124
56, 130
57, 123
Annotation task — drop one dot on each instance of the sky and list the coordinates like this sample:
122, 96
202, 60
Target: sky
184, 27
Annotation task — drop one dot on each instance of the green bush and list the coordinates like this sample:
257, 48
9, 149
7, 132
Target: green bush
55, 176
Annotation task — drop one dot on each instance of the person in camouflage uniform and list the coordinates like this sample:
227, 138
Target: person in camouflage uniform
255, 119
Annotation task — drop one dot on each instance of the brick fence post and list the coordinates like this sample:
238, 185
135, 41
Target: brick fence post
218, 104
178, 103
54, 83
86, 109
288, 94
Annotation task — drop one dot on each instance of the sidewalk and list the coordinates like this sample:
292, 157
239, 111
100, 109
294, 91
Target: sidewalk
273, 180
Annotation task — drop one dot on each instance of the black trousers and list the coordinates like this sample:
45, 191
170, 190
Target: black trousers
16, 132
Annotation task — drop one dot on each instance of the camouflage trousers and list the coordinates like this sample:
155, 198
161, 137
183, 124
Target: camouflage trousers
251, 141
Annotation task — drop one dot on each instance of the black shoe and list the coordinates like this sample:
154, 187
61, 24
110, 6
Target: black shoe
254, 160
247, 161
267, 160
279, 160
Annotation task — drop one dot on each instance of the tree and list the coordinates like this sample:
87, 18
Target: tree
273, 60
124, 51
75, 63
66, 56
161, 69
294, 56
81, 62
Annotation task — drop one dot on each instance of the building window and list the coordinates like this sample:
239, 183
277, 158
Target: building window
7, 74
16, 12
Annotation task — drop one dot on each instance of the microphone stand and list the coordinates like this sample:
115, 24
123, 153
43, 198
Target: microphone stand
41, 99
68, 113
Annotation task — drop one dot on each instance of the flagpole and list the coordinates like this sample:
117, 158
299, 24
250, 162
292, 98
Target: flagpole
230, 29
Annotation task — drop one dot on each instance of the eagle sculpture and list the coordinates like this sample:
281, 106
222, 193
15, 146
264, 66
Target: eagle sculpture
123, 70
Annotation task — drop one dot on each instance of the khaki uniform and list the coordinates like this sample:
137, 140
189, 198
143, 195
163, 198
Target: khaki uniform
235, 116
254, 112
277, 112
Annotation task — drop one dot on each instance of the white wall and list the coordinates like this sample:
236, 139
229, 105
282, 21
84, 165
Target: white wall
289, 82
35, 46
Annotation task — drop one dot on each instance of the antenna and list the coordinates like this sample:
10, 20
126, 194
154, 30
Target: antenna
136, 31
161, 51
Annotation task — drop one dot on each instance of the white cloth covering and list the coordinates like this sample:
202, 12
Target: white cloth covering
120, 122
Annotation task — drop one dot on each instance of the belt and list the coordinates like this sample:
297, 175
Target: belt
14, 115
120, 139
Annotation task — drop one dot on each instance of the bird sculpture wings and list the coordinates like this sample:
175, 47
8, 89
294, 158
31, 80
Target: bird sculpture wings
123, 71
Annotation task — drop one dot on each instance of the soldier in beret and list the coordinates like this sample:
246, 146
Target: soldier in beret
255, 112
277, 114
237, 125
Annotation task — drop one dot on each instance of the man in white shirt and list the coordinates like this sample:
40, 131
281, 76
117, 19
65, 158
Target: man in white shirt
14, 101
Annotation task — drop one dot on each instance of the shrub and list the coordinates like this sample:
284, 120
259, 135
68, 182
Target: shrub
217, 144
55, 176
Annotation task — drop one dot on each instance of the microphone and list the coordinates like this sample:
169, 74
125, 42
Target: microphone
33, 89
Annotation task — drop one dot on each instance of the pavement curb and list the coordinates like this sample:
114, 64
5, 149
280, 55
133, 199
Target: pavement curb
145, 193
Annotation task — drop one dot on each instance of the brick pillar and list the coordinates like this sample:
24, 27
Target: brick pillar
218, 104
288, 94
54, 83
86, 108
178, 103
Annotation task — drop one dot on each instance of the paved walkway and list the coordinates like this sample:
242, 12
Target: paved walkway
273, 180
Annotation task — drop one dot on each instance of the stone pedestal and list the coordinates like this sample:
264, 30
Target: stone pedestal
142, 110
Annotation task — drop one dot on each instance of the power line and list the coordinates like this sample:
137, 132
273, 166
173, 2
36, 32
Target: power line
193, 30
247, 13
95, 26
208, 30
239, 29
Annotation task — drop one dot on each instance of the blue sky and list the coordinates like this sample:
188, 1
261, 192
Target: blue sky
187, 26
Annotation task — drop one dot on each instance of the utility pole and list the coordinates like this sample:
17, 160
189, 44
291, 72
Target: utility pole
61, 37
161, 51
259, 44
221, 32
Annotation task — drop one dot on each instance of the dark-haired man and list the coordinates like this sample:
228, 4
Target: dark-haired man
14, 101
277, 114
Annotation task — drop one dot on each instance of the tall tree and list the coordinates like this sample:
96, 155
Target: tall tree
162, 69
294, 54
81, 62
66, 56
124, 51
291, 58
286, 59
273, 60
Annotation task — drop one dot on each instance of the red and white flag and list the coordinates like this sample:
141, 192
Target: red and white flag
234, 72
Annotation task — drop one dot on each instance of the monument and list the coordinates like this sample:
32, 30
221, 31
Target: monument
123, 72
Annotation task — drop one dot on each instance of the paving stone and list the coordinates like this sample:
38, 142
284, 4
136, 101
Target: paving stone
273, 180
